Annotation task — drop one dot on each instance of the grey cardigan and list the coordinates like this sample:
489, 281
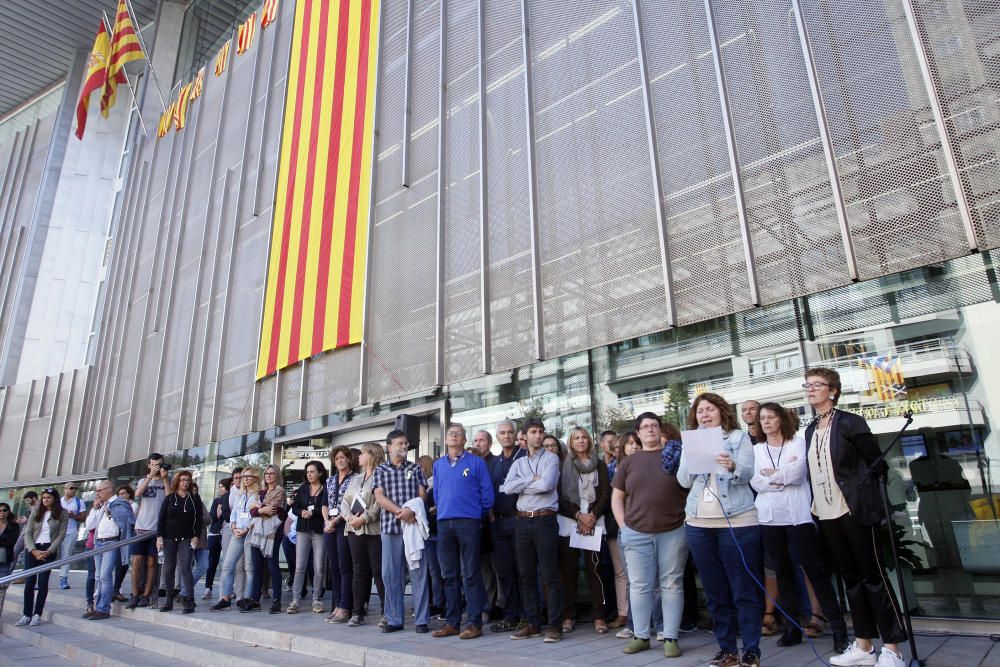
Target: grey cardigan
372, 515
57, 531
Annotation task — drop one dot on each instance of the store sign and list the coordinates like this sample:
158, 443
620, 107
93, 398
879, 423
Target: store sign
898, 408
304, 453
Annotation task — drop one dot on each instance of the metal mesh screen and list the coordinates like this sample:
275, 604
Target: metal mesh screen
511, 316
402, 300
706, 252
900, 200
291, 390
960, 37
786, 185
462, 321
332, 382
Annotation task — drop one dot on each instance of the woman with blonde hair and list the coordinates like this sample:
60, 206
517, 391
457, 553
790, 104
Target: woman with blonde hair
584, 499
240, 522
364, 535
264, 540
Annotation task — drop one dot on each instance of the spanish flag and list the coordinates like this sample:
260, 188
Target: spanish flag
222, 57
319, 237
125, 48
245, 34
268, 13
97, 74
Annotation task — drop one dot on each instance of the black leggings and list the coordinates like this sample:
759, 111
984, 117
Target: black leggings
273, 567
789, 547
855, 551
34, 600
366, 554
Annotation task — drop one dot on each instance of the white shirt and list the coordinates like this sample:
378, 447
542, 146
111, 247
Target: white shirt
783, 498
76, 506
44, 536
100, 521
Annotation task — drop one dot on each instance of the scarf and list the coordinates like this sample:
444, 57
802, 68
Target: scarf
584, 492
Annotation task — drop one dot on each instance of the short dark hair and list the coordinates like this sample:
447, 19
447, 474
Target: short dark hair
29, 495
534, 422
236, 470
226, 483
129, 490
156, 456
320, 468
396, 433
352, 457
6, 506
729, 421
648, 415
605, 434
830, 376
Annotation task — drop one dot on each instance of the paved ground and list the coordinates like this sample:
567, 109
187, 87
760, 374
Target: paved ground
582, 647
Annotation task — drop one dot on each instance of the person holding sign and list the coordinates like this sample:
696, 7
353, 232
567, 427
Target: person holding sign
584, 494
363, 516
648, 504
722, 528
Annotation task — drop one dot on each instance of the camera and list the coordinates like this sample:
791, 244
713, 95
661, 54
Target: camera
165, 466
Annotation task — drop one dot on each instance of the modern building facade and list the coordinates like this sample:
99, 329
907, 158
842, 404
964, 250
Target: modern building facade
581, 210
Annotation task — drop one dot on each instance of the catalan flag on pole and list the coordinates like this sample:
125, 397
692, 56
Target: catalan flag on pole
887, 376
315, 279
181, 107
96, 77
199, 84
222, 58
166, 121
245, 34
125, 48
268, 13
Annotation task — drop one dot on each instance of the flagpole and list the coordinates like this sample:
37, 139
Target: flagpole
128, 83
149, 58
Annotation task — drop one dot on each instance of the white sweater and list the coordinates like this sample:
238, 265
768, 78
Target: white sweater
414, 534
783, 498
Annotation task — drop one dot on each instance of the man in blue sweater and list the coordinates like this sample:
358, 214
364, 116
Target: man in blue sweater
463, 493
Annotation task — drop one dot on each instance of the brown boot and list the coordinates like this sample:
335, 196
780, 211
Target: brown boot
471, 632
445, 630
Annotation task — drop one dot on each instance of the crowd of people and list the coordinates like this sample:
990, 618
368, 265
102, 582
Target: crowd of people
504, 537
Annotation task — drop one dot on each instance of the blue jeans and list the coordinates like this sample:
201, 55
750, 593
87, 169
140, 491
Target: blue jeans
655, 562
271, 564
393, 574
200, 563
458, 552
106, 566
91, 580
434, 572
734, 600
505, 563
233, 555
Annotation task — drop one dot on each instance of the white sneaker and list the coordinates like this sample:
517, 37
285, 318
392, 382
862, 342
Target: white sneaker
888, 658
24, 620
660, 637
36, 620
624, 633
854, 656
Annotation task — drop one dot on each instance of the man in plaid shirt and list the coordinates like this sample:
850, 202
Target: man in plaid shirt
396, 482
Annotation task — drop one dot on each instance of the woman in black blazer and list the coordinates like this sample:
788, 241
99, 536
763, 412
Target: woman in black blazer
847, 502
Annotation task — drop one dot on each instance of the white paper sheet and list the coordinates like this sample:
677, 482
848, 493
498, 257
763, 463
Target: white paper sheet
701, 448
588, 542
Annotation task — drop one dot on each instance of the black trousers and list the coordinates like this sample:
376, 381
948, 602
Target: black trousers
855, 551
538, 546
214, 554
366, 554
36, 587
789, 547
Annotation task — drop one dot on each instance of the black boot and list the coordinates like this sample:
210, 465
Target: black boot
168, 605
188, 604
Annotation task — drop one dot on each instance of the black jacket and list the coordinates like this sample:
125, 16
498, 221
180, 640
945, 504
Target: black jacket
853, 449
180, 517
8, 538
215, 526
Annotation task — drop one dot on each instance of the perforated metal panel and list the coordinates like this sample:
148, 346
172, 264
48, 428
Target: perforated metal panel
900, 199
961, 40
332, 382
401, 319
706, 251
463, 321
786, 185
511, 315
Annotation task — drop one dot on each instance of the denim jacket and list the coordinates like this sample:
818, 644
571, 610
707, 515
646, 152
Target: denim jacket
734, 487
124, 518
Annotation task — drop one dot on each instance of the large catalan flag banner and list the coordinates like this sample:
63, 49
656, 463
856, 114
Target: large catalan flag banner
315, 277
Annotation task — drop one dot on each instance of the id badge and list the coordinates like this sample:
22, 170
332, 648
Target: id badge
821, 477
245, 516
311, 507
707, 496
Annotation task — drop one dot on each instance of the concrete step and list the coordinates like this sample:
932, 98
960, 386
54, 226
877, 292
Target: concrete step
15, 652
81, 648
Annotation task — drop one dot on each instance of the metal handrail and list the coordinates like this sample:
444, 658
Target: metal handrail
83, 555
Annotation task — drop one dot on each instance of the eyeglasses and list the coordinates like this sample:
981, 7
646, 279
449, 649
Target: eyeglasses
250, 477
71, 488
814, 385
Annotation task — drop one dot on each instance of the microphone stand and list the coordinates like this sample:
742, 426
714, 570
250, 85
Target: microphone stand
883, 480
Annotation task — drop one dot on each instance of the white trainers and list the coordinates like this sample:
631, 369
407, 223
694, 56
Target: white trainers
889, 658
624, 633
24, 620
854, 655
36, 620
660, 637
